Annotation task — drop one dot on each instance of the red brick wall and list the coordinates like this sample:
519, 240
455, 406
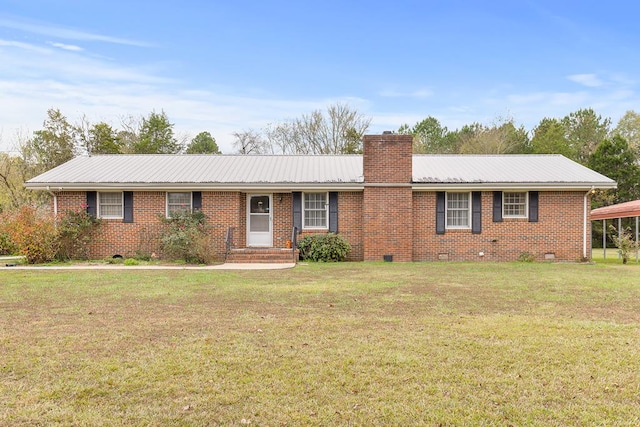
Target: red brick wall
381, 220
223, 210
350, 224
558, 231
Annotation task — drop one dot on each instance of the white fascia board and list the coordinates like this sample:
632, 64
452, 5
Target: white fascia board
528, 186
65, 186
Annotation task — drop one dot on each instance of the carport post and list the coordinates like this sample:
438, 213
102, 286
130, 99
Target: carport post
604, 238
619, 234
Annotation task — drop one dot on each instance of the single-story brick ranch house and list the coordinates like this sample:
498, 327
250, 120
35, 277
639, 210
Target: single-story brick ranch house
387, 202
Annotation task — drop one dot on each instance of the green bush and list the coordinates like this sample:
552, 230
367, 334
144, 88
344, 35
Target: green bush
329, 247
186, 237
75, 230
7, 247
526, 257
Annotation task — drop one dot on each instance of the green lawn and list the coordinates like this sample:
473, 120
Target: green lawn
597, 254
334, 344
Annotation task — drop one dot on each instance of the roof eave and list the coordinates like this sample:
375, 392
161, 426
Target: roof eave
169, 186
529, 186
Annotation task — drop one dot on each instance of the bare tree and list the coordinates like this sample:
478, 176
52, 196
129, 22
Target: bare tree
250, 142
339, 130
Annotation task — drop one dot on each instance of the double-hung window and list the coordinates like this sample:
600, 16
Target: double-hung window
110, 205
178, 203
514, 204
458, 210
315, 212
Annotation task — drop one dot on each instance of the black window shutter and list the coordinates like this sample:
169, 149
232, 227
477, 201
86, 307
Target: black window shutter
128, 206
196, 197
476, 212
533, 206
440, 212
333, 212
297, 210
92, 203
497, 206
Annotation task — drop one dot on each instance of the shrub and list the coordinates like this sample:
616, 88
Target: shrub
7, 247
624, 242
33, 233
526, 257
328, 247
131, 261
75, 230
186, 237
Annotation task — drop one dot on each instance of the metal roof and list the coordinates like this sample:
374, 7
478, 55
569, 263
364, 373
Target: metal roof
504, 171
621, 210
203, 171
242, 172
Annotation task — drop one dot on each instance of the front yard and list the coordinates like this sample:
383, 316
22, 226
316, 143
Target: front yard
323, 344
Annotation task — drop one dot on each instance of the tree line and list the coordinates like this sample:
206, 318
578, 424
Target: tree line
583, 136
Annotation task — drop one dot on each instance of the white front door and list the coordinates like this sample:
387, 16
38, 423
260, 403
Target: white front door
259, 219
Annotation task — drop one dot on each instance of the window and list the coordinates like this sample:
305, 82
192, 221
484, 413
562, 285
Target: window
514, 205
110, 205
458, 205
178, 202
315, 210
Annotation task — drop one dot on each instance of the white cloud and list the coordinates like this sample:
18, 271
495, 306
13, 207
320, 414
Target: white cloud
419, 93
589, 80
53, 31
64, 46
24, 46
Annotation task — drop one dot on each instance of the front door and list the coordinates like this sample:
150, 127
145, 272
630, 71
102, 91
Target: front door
259, 220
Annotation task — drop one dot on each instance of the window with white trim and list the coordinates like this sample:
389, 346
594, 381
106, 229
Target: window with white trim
110, 205
514, 204
315, 210
458, 210
178, 203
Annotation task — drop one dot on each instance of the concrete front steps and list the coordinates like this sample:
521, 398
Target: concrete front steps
262, 255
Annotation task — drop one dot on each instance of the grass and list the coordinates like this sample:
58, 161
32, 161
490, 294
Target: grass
323, 344
597, 254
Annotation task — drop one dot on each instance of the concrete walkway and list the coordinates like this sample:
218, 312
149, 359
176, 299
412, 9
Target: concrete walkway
14, 263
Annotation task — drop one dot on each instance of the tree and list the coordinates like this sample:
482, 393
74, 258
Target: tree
13, 174
615, 159
585, 130
51, 146
549, 137
339, 131
156, 136
628, 127
249, 142
203, 143
429, 136
99, 138
500, 138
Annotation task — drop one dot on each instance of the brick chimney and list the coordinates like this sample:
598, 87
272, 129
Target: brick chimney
388, 198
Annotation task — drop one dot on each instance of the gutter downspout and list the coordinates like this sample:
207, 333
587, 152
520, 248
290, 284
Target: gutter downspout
55, 202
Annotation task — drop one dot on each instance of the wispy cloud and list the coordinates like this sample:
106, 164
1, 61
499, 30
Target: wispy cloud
53, 31
24, 46
419, 93
589, 80
64, 46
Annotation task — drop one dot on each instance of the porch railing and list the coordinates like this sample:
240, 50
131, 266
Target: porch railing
294, 242
228, 241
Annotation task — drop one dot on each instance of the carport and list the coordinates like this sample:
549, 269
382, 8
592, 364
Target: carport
619, 211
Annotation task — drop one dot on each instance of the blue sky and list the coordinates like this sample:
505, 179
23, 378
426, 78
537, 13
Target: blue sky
228, 66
